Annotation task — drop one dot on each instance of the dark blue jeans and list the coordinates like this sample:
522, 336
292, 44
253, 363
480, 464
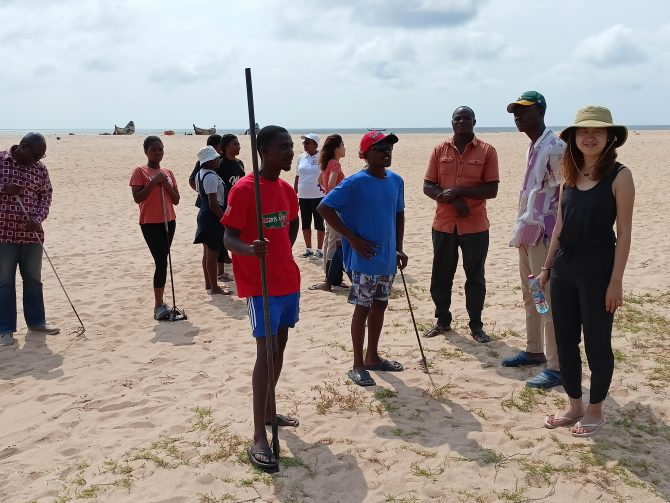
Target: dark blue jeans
29, 259
335, 268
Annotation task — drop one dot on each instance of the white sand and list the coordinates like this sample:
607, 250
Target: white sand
112, 417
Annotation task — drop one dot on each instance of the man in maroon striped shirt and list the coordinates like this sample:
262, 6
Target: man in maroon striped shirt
23, 179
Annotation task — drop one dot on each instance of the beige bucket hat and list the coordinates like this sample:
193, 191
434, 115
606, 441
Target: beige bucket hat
594, 116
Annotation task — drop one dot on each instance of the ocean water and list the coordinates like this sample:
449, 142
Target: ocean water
298, 131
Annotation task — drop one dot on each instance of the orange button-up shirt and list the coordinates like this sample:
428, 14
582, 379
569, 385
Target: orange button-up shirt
448, 168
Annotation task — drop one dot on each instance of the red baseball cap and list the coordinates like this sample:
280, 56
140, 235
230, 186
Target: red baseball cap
374, 138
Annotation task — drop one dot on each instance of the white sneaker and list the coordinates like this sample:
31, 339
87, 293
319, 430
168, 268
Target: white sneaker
162, 312
7, 339
319, 254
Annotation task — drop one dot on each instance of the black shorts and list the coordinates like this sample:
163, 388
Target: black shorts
307, 210
210, 231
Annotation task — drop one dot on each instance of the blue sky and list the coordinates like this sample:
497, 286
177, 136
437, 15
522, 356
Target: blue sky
327, 63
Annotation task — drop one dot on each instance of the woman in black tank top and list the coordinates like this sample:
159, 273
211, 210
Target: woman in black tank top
586, 261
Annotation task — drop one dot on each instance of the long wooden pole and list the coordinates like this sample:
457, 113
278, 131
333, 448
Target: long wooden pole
269, 340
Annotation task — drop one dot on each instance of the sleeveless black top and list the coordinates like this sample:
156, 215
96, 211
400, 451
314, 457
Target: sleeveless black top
589, 216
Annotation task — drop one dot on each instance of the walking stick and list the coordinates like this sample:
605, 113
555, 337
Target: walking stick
424, 363
175, 313
81, 330
269, 341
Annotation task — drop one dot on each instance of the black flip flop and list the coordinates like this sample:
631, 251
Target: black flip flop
262, 465
387, 366
361, 377
436, 330
480, 336
287, 420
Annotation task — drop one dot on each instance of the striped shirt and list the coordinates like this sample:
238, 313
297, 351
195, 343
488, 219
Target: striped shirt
35, 193
538, 199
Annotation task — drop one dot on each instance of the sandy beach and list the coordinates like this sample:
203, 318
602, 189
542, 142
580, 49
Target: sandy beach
142, 411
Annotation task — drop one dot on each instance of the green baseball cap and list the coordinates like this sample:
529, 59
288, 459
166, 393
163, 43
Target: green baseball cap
528, 98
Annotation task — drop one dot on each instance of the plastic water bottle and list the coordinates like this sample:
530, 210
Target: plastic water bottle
538, 295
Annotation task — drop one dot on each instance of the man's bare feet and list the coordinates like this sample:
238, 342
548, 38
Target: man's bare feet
217, 290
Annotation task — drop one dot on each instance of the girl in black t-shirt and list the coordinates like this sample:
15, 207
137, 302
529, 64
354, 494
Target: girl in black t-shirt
230, 171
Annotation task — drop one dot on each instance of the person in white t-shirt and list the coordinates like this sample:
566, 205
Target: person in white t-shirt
310, 194
212, 192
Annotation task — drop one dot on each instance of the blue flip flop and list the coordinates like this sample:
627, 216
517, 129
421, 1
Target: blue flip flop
545, 379
522, 359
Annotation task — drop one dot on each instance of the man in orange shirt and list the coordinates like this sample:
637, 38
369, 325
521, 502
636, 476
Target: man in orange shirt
462, 174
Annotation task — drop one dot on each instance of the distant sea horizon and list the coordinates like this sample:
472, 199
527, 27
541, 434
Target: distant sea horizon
319, 130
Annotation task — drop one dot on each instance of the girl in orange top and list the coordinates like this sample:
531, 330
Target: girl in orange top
151, 185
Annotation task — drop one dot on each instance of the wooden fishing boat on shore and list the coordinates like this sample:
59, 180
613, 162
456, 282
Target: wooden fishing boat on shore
256, 126
168, 132
202, 131
129, 129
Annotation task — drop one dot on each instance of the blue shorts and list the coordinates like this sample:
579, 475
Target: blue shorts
284, 312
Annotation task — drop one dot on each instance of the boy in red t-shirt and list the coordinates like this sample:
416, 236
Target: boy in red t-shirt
279, 205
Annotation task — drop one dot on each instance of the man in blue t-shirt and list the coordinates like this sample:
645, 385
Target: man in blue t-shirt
368, 210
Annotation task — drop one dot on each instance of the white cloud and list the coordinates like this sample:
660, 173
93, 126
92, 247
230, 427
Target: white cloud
613, 47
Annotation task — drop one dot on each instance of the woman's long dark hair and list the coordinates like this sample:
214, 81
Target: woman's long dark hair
328, 150
573, 160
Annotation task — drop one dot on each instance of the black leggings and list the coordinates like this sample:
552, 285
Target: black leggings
578, 286
307, 210
159, 245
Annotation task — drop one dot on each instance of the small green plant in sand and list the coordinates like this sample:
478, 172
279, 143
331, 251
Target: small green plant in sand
509, 334
418, 471
527, 401
421, 452
411, 498
539, 472
210, 498
387, 404
439, 393
258, 476
404, 434
516, 496
480, 412
468, 496
385, 393
424, 326
224, 443
619, 356
635, 317
491, 457
662, 370
450, 354
296, 462
330, 396
340, 346
165, 453
203, 418
559, 402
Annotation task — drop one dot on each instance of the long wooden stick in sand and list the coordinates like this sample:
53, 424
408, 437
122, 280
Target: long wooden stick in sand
269, 340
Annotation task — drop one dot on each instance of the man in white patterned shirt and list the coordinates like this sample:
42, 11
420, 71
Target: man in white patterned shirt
24, 180
538, 206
